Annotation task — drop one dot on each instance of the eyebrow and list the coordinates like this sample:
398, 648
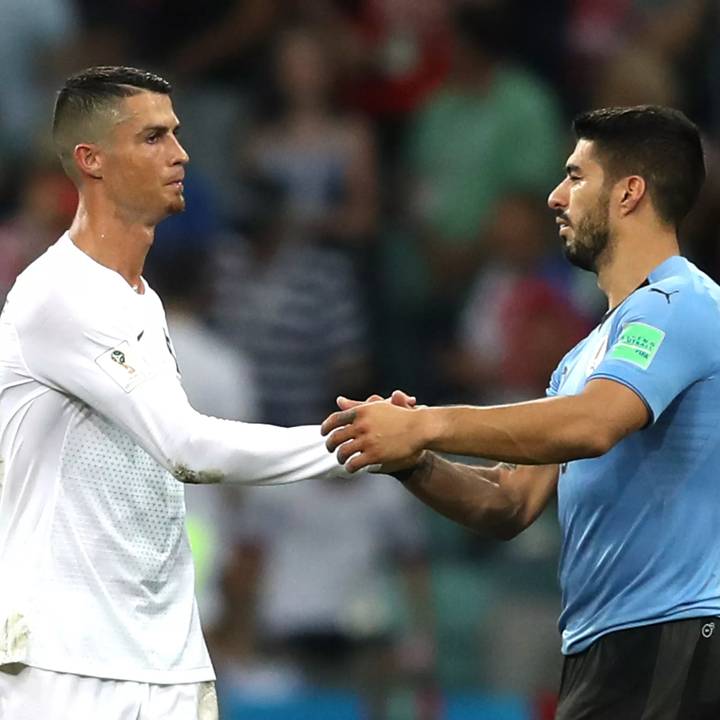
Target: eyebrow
572, 168
159, 129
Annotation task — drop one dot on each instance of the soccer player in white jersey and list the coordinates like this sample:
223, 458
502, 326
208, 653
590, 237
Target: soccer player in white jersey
97, 613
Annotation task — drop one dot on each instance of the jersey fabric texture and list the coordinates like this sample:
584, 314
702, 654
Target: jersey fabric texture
640, 523
95, 432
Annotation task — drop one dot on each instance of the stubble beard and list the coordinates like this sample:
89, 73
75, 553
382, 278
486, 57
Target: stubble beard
591, 237
175, 207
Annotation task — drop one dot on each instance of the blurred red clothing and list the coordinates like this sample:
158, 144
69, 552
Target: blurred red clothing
411, 44
539, 326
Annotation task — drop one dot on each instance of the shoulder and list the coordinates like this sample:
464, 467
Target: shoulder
38, 289
681, 310
154, 300
56, 294
689, 296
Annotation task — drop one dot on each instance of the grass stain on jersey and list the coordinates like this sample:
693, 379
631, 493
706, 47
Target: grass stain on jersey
14, 639
197, 477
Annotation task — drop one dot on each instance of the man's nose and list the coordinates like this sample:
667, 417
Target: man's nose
557, 200
182, 156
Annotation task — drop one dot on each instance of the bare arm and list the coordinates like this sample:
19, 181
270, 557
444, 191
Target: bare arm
500, 501
540, 432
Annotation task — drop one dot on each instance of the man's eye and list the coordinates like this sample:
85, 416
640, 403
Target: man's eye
152, 139
574, 178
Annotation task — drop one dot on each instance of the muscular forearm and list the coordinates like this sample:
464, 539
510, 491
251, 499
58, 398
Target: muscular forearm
470, 495
544, 431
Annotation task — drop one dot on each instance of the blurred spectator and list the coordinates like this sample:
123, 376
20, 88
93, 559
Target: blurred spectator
636, 77
33, 36
327, 550
289, 293
491, 128
522, 306
595, 33
625, 37
218, 381
213, 41
246, 670
324, 160
295, 309
392, 54
396, 52
47, 205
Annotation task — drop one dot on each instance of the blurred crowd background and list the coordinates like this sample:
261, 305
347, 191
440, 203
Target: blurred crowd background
365, 211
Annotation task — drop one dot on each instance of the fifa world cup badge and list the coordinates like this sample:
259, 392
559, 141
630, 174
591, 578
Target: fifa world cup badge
125, 364
118, 356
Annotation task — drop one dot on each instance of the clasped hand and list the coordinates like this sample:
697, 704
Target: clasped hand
385, 432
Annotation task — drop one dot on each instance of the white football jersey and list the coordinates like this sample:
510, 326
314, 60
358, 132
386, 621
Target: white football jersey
96, 576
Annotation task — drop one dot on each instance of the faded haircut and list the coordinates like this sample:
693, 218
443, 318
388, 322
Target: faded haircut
657, 143
89, 95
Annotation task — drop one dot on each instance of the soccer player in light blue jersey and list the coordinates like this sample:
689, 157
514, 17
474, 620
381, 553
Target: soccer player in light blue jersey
628, 437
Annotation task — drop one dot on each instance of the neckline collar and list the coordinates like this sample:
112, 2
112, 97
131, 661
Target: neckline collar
667, 268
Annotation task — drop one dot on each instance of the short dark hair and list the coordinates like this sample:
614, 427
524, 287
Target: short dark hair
91, 91
658, 143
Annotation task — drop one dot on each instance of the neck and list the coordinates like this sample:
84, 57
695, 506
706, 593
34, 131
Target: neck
631, 259
112, 240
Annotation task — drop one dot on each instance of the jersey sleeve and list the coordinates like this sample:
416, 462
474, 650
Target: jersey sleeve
664, 341
553, 388
78, 351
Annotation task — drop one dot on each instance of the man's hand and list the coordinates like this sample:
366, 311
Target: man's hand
384, 432
398, 397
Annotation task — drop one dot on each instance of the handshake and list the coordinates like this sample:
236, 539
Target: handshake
389, 432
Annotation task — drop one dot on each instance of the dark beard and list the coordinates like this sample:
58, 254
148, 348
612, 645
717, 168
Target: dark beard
592, 237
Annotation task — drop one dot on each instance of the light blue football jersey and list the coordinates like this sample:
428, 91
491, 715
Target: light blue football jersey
641, 524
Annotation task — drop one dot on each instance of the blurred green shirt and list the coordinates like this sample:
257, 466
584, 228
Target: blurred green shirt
470, 149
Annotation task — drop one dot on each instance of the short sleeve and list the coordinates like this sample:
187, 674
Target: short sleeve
553, 389
663, 341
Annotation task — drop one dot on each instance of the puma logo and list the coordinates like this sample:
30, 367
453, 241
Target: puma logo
666, 294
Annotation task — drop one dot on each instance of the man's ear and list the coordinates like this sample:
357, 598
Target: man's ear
632, 190
89, 160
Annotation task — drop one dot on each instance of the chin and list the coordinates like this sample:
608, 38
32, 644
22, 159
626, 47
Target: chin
177, 206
